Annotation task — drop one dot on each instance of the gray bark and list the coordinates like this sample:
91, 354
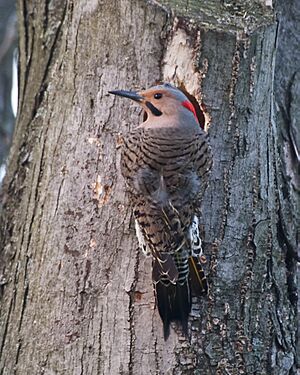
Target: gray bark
76, 295
287, 106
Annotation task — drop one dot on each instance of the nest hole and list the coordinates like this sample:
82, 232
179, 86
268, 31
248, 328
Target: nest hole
194, 101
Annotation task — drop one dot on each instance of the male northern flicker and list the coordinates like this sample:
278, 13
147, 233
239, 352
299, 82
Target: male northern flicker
166, 162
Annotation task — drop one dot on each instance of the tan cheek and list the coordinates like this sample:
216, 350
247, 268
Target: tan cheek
169, 108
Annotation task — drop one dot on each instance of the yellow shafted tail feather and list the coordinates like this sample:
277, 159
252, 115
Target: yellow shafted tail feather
197, 275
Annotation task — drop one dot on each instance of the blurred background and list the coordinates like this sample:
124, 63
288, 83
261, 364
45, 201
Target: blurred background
8, 77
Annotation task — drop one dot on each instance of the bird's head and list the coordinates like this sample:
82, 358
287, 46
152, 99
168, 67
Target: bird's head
163, 104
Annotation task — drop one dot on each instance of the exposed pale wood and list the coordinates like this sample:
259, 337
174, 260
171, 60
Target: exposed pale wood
77, 295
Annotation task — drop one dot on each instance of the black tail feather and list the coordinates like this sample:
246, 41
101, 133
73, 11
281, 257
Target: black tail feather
174, 304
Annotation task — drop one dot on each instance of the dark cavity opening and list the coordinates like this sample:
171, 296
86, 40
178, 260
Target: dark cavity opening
194, 101
145, 116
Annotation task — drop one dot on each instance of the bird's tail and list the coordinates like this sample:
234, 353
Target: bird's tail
174, 299
174, 303
198, 279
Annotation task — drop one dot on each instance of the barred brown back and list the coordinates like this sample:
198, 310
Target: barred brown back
166, 171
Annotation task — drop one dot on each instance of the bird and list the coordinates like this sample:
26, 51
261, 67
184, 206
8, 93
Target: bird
166, 162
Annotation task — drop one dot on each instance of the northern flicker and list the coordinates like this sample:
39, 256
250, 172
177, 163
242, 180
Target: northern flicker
166, 162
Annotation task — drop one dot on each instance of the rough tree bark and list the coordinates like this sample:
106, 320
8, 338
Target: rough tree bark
287, 107
76, 295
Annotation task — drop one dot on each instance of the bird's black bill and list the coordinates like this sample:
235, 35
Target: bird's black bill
128, 94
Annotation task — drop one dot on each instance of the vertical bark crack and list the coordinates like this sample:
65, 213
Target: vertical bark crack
132, 313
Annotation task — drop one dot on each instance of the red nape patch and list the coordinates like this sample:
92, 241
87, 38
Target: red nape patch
187, 104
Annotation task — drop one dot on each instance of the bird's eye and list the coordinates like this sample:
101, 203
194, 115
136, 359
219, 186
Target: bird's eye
158, 95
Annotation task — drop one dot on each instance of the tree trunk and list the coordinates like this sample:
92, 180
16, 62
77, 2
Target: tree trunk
76, 292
